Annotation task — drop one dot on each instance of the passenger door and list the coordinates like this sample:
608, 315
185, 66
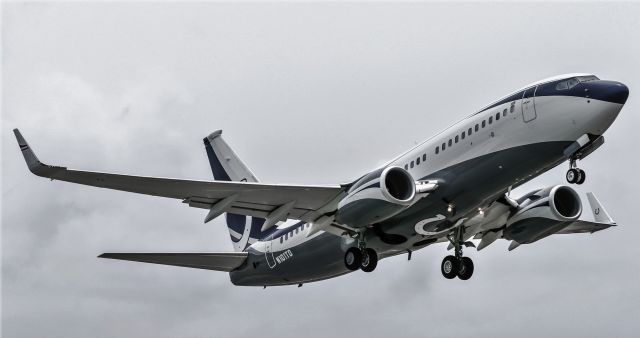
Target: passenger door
268, 253
528, 104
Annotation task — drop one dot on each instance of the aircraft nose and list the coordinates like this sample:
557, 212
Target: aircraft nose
610, 91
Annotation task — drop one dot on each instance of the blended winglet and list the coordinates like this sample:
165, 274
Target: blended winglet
29, 156
33, 163
600, 215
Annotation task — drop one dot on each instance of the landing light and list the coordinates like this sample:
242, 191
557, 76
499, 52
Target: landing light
480, 211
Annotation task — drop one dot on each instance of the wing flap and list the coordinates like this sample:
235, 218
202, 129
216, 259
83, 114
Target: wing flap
222, 261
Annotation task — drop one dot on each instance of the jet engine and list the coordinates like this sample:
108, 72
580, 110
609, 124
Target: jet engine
377, 196
542, 213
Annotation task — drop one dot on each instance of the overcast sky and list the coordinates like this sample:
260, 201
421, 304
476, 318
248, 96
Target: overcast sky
307, 93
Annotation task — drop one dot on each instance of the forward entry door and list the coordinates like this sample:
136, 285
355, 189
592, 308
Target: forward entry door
268, 252
529, 104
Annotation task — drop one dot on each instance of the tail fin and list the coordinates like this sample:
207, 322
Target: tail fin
227, 166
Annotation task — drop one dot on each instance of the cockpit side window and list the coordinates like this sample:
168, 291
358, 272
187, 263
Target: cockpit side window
572, 82
587, 78
567, 84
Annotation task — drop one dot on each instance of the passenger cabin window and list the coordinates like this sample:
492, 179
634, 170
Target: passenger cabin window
463, 133
490, 119
406, 167
418, 161
411, 164
469, 131
450, 142
497, 116
484, 123
456, 138
477, 127
280, 239
504, 112
444, 146
513, 106
437, 150
424, 157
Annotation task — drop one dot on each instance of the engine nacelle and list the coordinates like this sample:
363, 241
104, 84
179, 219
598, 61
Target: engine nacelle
543, 213
376, 197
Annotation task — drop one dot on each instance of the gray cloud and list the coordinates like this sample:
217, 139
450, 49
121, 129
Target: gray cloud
306, 93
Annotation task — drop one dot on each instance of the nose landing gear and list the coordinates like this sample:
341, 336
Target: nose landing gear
575, 175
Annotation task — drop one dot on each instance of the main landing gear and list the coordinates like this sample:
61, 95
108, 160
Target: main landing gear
574, 174
457, 266
361, 258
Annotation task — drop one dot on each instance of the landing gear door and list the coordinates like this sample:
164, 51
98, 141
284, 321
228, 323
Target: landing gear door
268, 253
529, 105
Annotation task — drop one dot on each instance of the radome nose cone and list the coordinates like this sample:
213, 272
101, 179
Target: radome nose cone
615, 92
621, 94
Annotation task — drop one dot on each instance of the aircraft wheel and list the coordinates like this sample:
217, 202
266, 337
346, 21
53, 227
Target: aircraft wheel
573, 175
352, 259
369, 260
449, 267
465, 271
583, 176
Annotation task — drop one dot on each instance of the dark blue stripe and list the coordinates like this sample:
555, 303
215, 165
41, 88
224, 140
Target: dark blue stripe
602, 90
236, 223
216, 167
375, 185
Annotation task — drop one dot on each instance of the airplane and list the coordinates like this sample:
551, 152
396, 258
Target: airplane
452, 188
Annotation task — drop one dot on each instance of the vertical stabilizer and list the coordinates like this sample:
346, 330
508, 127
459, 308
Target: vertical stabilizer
227, 166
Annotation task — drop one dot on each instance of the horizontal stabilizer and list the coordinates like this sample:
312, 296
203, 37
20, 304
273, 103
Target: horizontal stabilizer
225, 261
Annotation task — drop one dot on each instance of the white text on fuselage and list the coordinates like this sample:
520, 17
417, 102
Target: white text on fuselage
284, 256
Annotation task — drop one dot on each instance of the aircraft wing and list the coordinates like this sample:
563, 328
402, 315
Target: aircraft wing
273, 202
225, 261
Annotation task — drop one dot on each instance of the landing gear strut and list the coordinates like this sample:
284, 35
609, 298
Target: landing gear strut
457, 265
575, 174
361, 258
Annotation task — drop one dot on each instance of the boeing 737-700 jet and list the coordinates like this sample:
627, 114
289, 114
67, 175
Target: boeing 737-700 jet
450, 188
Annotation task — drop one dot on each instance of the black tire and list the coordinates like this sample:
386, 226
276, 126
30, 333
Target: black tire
369, 260
449, 267
465, 271
572, 175
352, 259
583, 176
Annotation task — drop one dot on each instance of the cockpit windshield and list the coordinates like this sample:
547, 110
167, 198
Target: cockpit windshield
572, 82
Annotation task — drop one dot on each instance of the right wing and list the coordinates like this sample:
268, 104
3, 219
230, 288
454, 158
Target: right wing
225, 261
270, 201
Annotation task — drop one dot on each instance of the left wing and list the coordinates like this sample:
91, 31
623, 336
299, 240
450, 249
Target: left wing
273, 202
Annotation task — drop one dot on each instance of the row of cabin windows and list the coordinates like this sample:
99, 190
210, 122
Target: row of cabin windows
462, 136
470, 131
416, 162
296, 230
